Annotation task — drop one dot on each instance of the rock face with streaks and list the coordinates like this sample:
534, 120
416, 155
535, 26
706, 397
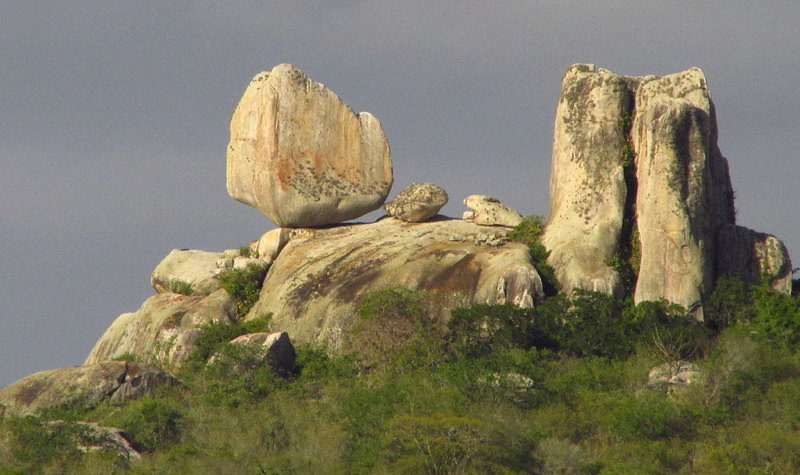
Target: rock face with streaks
587, 180
315, 285
301, 156
641, 198
163, 329
751, 255
83, 386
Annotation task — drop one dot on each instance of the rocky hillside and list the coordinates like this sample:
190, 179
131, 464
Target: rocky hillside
641, 204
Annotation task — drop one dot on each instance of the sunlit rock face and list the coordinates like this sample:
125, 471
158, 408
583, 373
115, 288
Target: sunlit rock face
638, 182
314, 287
587, 181
301, 156
684, 191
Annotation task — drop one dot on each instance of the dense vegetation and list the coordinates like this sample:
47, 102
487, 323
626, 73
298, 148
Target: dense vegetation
562, 388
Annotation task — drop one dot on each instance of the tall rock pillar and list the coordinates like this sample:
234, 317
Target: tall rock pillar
587, 182
640, 194
684, 191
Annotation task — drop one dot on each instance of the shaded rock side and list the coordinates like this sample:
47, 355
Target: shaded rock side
751, 255
301, 156
418, 202
314, 286
164, 329
273, 349
684, 193
83, 386
587, 181
490, 211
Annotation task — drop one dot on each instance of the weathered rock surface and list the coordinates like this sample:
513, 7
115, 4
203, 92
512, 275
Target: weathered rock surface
93, 437
490, 211
270, 244
84, 386
301, 156
587, 181
674, 377
419, 202
638, 179
751, 255
273, 349
164, 328
314, 286
684, 191
194, 267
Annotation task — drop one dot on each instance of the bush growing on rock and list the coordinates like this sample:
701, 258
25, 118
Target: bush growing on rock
244, 286
215, 336
395, 326
529, 231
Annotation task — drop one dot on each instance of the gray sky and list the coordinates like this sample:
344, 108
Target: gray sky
115, 120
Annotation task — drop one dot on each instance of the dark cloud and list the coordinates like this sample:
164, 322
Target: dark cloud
115, 116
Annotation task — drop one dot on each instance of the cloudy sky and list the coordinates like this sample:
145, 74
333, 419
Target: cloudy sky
114, 122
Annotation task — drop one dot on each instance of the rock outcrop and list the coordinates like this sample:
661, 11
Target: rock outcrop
193, 267
587, 180
490, 211
272, 349
199, 270
419, 202
314, 286
638, 182
684, 191
92, 437
164, 329
83, 386
674, 377
301, 156
751, 255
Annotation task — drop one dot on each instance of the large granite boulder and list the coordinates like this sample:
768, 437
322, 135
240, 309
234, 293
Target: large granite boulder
164, 329
587, 181
752, 255
418, 202
301, 156
84, 386
314, 286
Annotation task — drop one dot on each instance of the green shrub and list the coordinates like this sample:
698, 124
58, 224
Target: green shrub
595, 325
529, 232
152, 422
35, 443
730, 303
214, 336
452, 444
395, 327
776, 316
667, 331
244, 286
482, 330
178, 286
247, 251
652, 416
